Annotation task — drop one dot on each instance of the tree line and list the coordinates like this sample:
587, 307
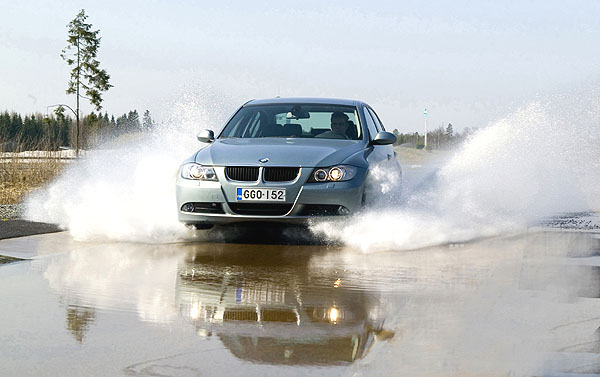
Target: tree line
58, 130
439, 138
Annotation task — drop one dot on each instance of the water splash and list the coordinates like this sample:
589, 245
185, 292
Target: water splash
127, 190
539, 161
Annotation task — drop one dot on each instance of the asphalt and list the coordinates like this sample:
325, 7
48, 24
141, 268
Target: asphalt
12, 228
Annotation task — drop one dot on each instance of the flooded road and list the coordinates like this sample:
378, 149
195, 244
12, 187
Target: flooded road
524, 304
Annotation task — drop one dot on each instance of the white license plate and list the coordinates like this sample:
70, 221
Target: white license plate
260, 194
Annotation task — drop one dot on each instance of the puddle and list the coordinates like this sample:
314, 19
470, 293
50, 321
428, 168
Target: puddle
480, 308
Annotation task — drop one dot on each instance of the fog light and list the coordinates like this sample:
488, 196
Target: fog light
187, 207
343, 211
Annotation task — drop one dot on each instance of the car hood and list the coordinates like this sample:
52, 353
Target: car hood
279, 151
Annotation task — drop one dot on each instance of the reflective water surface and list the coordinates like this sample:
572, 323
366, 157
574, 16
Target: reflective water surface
520, 305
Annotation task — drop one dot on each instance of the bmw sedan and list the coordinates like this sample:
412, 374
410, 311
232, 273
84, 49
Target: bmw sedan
284, 160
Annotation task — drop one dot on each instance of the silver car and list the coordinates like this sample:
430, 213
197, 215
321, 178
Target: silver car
284, 160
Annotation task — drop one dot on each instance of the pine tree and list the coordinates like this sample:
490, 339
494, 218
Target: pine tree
122, 123
147, 123
16, 125
81, 52
4, 126
133, 120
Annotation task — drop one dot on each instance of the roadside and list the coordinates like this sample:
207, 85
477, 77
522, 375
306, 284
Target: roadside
10, 211
20, 173
413, 156
12, 225
5, 259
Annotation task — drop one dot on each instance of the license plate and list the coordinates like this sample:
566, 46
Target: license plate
260, 194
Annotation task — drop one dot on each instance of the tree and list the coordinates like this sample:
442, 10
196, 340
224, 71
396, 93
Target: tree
60, 112
121, 123
450, 130
81, 52
147, 122
133, 121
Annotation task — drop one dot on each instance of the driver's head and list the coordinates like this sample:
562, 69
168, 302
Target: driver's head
339, 122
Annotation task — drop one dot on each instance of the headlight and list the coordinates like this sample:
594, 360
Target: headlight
333, 174
198, 172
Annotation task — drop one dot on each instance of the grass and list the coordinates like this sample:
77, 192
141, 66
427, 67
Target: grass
20, 176
23, 172
412, 156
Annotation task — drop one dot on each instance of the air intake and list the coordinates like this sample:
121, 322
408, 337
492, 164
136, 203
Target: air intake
261, 209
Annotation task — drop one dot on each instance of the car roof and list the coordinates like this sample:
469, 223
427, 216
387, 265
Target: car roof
300, 100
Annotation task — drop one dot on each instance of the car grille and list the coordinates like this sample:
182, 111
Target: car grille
281, 174
240, 315
242, 173
278, 315
261, 209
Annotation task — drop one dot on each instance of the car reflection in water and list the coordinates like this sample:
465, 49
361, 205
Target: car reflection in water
265, 304
268, 307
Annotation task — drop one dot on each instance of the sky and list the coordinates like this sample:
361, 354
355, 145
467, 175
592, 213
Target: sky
468, 62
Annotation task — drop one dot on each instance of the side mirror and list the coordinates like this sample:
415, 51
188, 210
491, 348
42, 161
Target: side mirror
384, 138
206, 136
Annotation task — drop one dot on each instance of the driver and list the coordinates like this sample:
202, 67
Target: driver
339, 124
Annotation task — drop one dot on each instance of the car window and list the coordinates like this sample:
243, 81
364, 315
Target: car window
246, 125
378, 123
370, 123
293, 120
253, 126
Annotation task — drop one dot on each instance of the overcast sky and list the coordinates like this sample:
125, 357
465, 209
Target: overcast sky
469, 62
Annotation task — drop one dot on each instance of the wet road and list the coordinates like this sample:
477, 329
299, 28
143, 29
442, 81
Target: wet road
520, 305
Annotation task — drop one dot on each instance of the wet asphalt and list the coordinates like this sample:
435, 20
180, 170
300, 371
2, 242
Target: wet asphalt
282, 303
525, 304
11, 228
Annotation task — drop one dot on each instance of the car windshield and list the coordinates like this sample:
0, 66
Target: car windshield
295, 120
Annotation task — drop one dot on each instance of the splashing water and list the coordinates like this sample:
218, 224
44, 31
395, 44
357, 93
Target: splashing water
539, 161
127, 192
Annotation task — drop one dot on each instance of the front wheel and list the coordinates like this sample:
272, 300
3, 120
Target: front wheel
383, 185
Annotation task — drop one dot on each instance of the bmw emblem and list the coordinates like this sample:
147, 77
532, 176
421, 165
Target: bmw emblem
264, 160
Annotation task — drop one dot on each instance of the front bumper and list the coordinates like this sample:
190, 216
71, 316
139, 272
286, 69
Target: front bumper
303, 200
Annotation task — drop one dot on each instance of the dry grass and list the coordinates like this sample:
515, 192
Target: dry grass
412, 156
19, 176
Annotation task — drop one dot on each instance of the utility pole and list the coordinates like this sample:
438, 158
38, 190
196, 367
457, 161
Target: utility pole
425, 116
